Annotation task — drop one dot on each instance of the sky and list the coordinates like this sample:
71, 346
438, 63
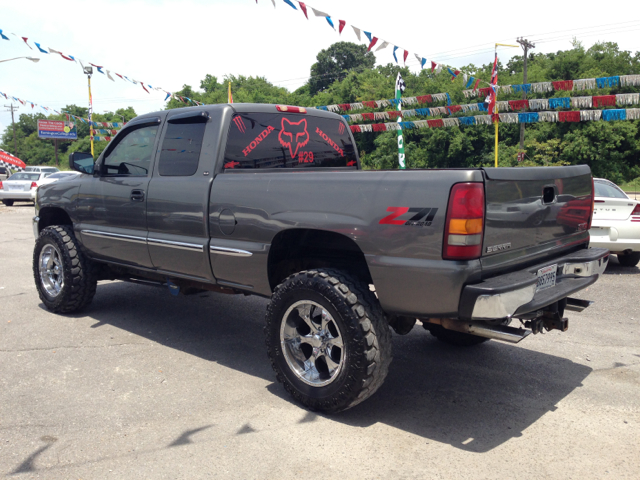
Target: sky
172, 43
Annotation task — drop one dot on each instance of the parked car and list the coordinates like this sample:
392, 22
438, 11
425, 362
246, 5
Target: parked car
21, 187
4, 173
616, 222
271, 200
41, 169
59, 176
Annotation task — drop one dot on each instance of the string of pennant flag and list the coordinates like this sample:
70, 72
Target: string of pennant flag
621, 100
532, 117
63, 112
100, 68
372, 40
562, 85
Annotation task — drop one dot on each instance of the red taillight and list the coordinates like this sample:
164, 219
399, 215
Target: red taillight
289, 109
636, 210
1, 187
34, 185
464, 223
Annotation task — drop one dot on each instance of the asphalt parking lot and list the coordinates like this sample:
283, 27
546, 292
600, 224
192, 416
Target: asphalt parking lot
146, 385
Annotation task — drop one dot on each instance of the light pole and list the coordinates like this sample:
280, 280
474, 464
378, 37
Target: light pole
33, 59
88, 71
526, 45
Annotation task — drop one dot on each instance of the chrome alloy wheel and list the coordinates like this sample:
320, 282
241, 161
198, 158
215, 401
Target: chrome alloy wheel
51, 272
311, 343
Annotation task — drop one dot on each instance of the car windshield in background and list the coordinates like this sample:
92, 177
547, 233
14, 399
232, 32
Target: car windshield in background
25, 176
265, 140
608, 190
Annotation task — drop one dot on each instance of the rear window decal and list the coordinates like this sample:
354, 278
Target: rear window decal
293, 135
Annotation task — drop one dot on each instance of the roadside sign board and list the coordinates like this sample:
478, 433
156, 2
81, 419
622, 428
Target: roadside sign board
57, 130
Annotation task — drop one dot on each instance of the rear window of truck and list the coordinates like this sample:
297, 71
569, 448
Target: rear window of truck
264, 140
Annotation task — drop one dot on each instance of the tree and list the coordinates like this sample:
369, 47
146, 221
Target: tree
335, 62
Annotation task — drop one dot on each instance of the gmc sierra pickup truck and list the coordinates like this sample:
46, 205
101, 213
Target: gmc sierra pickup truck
271, 200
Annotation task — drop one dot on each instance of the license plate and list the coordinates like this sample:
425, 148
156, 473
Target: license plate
546, 277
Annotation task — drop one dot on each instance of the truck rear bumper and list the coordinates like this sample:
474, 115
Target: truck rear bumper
515, 293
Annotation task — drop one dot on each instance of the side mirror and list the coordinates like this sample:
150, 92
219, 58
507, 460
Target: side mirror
81, 162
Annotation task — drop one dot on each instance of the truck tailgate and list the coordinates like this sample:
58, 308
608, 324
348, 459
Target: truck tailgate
536, 209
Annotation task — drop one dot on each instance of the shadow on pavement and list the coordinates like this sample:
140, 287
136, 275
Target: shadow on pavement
474, 398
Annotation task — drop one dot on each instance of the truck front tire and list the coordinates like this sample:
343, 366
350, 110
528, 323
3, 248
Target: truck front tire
64, 276
8, 203
327, 339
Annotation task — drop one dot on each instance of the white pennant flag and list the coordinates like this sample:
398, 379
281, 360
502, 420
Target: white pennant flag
418, 57
319, 13
274, 3
51, 50
384, 45
357, 30
110, 77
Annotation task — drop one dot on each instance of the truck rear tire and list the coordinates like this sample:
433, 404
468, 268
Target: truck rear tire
64, 276
458, 339
630, 259
327, 339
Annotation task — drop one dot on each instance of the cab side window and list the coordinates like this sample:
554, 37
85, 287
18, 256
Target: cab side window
132, 155
181, 148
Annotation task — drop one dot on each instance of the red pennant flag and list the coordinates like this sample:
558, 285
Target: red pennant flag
304, 9
31, 104
406, 54
475, 87
433, 65
119, 75
25, 41
342, 24
374, 40
144, 87
66, 58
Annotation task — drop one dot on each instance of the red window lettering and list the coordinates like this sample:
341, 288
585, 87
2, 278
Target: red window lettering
326, 138
305, 157
258, 139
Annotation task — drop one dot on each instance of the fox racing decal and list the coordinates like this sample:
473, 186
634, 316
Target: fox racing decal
293, 135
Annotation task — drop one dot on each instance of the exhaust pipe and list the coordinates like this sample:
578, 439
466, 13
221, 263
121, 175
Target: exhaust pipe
495, 332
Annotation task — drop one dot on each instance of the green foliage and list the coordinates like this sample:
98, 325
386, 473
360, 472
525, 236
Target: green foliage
345, 73
334, 63
36, 151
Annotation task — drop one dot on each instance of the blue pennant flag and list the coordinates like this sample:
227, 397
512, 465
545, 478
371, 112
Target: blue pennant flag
424, 60
41, 49
368, 36
394, 53
288, 2
330, 22
4, 37
470, 82
168, 95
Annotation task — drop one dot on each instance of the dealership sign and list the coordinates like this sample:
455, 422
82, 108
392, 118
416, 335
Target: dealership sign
57, 130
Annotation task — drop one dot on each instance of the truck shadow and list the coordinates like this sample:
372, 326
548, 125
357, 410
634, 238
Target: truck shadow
614, 268
474, 399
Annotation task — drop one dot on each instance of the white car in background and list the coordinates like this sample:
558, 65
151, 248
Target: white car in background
41, 169
616, 222
21, 187
54, 177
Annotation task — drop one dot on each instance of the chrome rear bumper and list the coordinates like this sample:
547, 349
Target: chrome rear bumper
509, 295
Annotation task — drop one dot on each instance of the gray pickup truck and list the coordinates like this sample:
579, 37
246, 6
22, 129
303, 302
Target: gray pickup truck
271, 200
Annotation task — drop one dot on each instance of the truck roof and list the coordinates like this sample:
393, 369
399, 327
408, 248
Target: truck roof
236, 107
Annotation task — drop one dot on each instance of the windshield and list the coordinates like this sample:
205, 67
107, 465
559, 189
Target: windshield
50, 169
25, 176
608, 190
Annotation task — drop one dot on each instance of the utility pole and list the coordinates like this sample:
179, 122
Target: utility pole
13, 124
526, 45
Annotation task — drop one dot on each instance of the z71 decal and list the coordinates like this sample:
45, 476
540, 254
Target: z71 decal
423, 216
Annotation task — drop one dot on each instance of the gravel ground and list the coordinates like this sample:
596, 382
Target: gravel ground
145, 385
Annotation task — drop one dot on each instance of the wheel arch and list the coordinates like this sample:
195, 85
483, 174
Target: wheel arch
53, 216
298, 249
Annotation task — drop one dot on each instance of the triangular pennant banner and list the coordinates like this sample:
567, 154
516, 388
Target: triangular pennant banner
303, 7
342, 24
394, 53
288, 2
373, 42
368, 36
37, 45
433, 65
330, 22
406, 54
357, 31
25, 41
383, 45
318, 13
